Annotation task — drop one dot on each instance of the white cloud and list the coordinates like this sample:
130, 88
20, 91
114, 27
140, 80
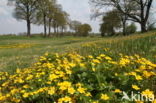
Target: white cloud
3, 11
3, 3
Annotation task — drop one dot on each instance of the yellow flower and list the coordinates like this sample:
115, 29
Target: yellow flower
29, 77
51, 90
147, 74
138, 77
16, 100
94, 69
17, 70
72, 64
105, 97
2, 98
25, 95
71, 90
14, 91
148, 93
65, 99
90, 56
139, 102
96, 61
108, 58
135, 87
124, 61
117, 91
49, 65
95, 102
132, 73
64, 85
81, 90
116, 74
88, 94
82, 65
154, 101
26, 86
78, 84
52, 77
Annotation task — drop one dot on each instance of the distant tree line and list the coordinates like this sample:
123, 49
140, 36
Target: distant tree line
120, 13
48, 13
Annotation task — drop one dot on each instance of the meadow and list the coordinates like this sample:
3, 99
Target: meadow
20, 52
76, 69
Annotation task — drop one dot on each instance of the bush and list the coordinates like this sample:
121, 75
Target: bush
131, 29
84, 29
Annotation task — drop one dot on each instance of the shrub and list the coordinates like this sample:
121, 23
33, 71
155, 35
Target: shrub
131, 29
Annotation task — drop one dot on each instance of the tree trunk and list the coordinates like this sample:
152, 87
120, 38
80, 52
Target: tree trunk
62, 31
143, 27
49, 31
49, 27
45, 26
54, 26
57, 30
28, 20
124, 28
54, 29
28, 28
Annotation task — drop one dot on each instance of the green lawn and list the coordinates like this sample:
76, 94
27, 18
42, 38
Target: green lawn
16, 53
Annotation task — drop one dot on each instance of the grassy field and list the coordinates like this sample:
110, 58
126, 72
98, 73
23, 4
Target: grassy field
20, 52
77, 69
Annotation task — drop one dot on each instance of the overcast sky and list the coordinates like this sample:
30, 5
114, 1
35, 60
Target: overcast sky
78, 9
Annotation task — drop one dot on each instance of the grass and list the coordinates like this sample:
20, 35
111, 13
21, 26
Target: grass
14, 52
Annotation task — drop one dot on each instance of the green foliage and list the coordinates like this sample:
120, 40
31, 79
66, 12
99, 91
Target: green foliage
61, 19
41, 12
84, 29
111, 21
151, 27
25, 10
83, 79
138, 11
74, 25
131, 29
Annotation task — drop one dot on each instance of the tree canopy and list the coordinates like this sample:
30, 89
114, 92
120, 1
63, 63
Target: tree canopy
137, 10
25, 10
111, 21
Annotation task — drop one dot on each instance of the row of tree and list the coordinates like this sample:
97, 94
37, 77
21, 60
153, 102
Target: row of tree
122, 11
47, 13
41, 12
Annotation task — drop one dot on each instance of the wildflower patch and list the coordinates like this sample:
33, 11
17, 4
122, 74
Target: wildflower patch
16, 46
72, 78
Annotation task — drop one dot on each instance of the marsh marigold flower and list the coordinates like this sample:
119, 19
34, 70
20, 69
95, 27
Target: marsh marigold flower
135, 87
117, 91
105, 97
148, 93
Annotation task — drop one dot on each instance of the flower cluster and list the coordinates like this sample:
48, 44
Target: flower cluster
72, 78
16, 46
